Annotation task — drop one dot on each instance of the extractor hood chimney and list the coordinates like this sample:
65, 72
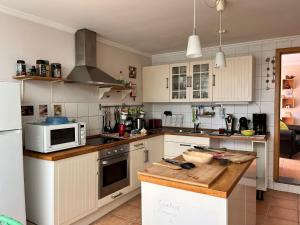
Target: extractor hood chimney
85, 70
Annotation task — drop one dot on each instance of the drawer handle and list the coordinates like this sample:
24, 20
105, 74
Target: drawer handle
146, 156
116, 195
138, 145
185, 145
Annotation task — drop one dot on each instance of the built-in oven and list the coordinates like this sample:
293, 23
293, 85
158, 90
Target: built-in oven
113, 170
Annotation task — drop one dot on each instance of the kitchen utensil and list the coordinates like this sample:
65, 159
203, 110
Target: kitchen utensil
268, 75
139, 123
248, 132
229, 119
186, 165
197, 157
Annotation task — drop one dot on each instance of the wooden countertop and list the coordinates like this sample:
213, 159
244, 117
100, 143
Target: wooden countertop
222, 187
53, 156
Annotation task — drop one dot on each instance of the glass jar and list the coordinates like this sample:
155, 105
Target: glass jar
43, 68
20, 68
56, 70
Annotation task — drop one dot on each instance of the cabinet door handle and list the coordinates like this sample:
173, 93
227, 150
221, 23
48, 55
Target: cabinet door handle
214, 80
167, 83
146, 156
116, 195
186, 145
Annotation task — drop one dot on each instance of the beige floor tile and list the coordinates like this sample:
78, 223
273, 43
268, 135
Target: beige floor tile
128, 212
261, 208
284, 195
136, 202
282, 213
110, 219
261, 219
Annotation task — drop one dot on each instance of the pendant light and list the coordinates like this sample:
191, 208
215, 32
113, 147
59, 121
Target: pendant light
220, 61
194, 46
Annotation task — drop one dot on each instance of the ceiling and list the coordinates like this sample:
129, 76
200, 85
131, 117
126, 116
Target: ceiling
158, 26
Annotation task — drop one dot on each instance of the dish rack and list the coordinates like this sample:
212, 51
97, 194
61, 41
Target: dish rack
176, 120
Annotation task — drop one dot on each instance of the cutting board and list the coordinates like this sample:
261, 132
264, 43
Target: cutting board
203, 175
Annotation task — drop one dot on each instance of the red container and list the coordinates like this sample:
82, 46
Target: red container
122, 129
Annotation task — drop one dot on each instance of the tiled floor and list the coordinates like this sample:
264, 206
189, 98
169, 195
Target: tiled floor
278, 208
127, 214
289, 169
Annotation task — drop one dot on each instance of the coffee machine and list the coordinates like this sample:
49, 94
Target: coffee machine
243, 124
260, 123
229, 119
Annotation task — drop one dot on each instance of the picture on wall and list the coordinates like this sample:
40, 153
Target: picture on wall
43, 110
57, 110
132, 72
27, 110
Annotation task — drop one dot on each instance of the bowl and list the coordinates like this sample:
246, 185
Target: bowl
248, 132
197, 157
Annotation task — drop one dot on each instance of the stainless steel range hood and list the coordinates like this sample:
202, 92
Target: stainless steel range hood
85, 70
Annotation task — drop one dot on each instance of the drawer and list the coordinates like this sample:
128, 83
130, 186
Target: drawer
188, 139
173, 149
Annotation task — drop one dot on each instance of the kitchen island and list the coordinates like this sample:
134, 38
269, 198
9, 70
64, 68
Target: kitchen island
230, 200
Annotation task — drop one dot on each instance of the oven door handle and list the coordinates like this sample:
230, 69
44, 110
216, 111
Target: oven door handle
112, 160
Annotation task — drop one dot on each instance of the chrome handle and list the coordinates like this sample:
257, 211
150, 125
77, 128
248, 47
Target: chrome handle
191, 81
167, 83
185, 145
116, 195
146, 156
104, 162
138, 145
214, 80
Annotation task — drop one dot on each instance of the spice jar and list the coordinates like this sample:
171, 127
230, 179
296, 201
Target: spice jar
56, 70
43, 68
20, 68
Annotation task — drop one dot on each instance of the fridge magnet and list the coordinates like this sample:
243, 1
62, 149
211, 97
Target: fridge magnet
43, 110
57, 109
27, 110
132, 72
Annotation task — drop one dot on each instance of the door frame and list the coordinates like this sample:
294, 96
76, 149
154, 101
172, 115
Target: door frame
279, 53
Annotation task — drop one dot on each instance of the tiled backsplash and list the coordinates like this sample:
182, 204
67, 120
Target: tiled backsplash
82, 112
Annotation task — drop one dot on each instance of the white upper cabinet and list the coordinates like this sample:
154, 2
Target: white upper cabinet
156, 83
201, 81
180, 82
234, 83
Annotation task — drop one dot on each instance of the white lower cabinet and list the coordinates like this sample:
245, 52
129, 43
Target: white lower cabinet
142, 154
75, 187
175, 145
61, 192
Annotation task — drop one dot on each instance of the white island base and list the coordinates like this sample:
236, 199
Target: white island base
163, 205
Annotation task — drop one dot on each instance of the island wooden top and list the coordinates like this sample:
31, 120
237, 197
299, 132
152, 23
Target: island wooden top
222, 187
169, 131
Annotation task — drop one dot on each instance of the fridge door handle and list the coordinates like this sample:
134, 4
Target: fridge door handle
10, 132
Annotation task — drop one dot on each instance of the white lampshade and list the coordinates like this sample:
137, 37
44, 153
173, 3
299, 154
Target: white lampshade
220, 61
194, 47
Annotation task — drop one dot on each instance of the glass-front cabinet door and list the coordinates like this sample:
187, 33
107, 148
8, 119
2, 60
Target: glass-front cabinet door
180, 82
201, 81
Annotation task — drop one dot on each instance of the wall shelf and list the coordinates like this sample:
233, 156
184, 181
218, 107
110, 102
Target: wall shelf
123, 90
39, 78
288, 102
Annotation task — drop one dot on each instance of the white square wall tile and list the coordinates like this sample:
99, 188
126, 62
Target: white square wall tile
240, 109
71, 109
94, 109
94, 123
83, 109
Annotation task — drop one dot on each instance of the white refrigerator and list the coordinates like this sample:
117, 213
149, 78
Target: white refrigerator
12, 197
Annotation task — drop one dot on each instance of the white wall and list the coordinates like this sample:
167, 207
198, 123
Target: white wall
264, 99
26, 40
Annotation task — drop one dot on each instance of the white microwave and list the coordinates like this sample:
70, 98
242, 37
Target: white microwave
44, 138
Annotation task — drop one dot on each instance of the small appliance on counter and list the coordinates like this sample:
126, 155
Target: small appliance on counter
155, 123
55, 134
140, 123
229, 120
260, 123
243, 124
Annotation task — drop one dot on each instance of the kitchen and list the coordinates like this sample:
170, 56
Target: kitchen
56, 185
